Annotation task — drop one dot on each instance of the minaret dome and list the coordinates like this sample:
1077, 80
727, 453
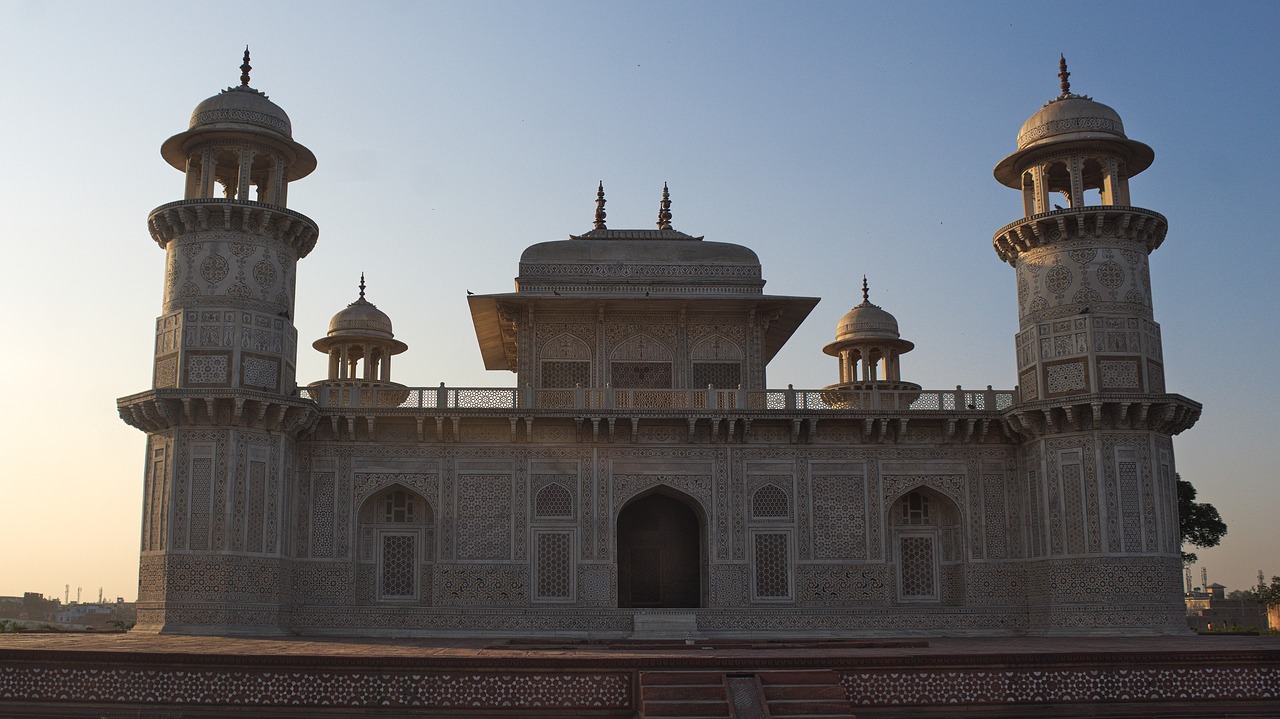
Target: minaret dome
239, 140
1072, 145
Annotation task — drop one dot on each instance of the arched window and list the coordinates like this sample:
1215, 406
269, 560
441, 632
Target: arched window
717, 361
397, 538
770, 502
564, 362
1058, 179
915, 509
926, 545
641, 362
553, 501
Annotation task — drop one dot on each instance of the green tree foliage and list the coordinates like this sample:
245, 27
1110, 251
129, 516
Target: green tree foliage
1269, 594
1266, 594
1200, 523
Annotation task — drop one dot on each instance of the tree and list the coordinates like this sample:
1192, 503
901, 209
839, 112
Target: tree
1265, 594
1199, 522
1268, 594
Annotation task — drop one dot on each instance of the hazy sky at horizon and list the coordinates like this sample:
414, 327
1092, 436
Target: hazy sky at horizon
834, 139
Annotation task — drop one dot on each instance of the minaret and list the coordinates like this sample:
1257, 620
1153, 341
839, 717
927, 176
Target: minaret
1093, 417
223, 412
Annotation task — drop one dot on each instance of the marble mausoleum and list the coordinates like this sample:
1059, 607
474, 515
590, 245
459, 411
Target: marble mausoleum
640, 478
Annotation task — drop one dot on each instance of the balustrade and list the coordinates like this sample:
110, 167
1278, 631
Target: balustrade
789, 400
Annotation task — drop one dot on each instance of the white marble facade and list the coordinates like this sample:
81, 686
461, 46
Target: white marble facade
639, 466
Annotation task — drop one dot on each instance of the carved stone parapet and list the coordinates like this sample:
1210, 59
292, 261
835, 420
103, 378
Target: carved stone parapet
1167, 414
295, 229
158, 410
446, 425
1103, 222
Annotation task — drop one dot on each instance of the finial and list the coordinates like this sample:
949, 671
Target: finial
245, 67
599, 223
1063, 75
362, 285
865, 293
664, 209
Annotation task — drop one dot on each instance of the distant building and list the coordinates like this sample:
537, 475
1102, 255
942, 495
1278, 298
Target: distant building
1212, 610
639, 477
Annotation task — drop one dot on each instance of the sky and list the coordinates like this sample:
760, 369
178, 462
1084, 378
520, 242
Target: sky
834, 139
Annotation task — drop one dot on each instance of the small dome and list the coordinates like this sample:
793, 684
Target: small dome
1072, 122
639, 247
1073, 117
240, 110
241, 105
867, 321
361, 318
639, 260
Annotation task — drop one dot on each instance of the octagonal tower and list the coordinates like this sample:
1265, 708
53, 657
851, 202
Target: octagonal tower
223, 414
1094, 418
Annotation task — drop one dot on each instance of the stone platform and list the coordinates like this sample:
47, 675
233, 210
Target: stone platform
147, 676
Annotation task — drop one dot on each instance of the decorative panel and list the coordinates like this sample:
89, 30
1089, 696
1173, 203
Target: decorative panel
397, 575
553, 501
771, 566
1068, 377
1119, 374
565, 373
554, 571
917, 566
640, 375
839, 517
721, 375
770, 502
484, 516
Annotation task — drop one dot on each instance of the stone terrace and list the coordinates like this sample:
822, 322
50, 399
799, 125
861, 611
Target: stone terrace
186, 676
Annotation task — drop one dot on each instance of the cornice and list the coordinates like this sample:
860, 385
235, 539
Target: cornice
159, 410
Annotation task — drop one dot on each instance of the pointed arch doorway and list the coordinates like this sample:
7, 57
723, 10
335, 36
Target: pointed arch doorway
660, 556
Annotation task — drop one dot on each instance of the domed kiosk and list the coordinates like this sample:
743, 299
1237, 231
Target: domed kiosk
239, 139
869, 347
360, 344
1070, 146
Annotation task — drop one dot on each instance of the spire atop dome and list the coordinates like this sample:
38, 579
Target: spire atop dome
362, 285
245, 67
664, 209
866, 298
1065, 84
600, 214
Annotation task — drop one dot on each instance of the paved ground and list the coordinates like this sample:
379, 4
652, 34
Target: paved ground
497, 649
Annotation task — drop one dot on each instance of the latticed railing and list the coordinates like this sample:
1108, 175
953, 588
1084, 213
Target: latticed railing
710, 399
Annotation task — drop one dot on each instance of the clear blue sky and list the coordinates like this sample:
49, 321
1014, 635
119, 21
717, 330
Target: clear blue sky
832, 138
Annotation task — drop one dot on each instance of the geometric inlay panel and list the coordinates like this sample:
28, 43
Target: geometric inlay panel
373, 689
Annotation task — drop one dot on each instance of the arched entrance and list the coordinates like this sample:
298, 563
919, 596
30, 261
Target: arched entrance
659, 553
397, 543
927, 546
